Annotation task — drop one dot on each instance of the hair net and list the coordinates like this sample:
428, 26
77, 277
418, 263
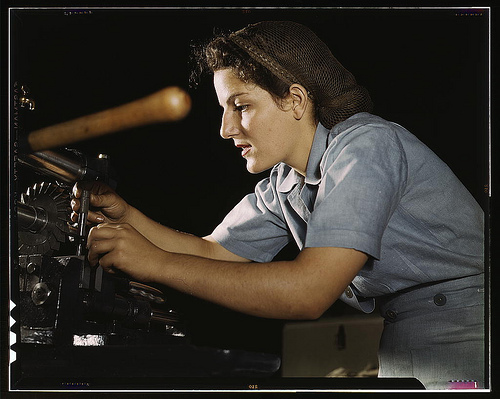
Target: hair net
295, 54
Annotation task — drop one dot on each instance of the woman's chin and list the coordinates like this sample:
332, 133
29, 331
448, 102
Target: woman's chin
255, 170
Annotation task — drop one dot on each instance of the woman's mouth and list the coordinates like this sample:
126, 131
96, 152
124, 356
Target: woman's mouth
245, 148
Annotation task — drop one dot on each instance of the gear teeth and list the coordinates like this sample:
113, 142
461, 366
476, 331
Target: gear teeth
29, 193
36, 189
51, 189
58, 194
44, 188
55, 200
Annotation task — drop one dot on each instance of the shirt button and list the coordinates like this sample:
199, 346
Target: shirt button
391, 314
439, 299
348, 292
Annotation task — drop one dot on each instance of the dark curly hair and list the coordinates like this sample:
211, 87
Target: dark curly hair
277, 54
221, 53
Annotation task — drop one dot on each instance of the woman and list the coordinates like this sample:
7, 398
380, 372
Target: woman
372, 210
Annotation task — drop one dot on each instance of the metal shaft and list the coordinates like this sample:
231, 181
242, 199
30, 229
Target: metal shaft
82, 222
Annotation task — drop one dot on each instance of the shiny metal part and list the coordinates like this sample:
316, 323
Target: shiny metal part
145, 291
31, 218
68, 167
31, 268
40, 293
82, 222
37, 335
26, 101
43, 213
89, 340
166, 317
173, 331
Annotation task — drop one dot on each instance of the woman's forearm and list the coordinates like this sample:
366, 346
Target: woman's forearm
164, 237
299, 289
302, 288
176, 241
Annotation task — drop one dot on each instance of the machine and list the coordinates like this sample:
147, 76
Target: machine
75, 325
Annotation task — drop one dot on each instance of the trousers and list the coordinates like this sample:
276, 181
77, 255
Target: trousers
435, 333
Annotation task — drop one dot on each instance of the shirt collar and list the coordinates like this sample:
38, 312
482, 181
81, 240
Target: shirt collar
313, 173
319, 146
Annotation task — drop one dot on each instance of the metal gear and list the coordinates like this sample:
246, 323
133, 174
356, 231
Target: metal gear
48, 231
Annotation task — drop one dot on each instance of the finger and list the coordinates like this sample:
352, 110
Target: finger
95, 187
103, 231
92, 217
73, 230
76, 191
107, 265
79, 186
106, 231
95, 217
75, 204
110, 262
98, 249
103, 199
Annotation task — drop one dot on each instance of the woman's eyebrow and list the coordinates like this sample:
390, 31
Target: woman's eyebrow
233, 96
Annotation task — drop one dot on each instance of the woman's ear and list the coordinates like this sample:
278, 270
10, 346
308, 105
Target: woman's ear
299, 100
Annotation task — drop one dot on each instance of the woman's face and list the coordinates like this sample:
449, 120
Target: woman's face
265, 132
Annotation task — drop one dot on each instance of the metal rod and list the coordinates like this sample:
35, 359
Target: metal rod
67, 166
82, 222
31, 218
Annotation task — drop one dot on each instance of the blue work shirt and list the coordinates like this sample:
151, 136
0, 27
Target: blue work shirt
373, 186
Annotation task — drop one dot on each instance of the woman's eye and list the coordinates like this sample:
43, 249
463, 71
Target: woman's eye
240, 108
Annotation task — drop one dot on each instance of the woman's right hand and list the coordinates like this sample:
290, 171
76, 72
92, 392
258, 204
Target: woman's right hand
105, 204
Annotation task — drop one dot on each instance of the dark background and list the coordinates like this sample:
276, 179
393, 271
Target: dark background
425, 69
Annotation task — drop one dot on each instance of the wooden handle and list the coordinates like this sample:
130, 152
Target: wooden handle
167, 105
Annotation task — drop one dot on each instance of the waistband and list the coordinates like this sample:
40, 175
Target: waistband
432, 297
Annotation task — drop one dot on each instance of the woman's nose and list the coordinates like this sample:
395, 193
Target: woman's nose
228, 126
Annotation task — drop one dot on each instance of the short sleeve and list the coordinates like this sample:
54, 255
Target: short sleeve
255, 228
364, 174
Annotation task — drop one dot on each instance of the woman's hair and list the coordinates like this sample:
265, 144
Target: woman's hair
222, 53
277, 54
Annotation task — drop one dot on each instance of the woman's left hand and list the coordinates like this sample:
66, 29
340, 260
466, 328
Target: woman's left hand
121, 247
